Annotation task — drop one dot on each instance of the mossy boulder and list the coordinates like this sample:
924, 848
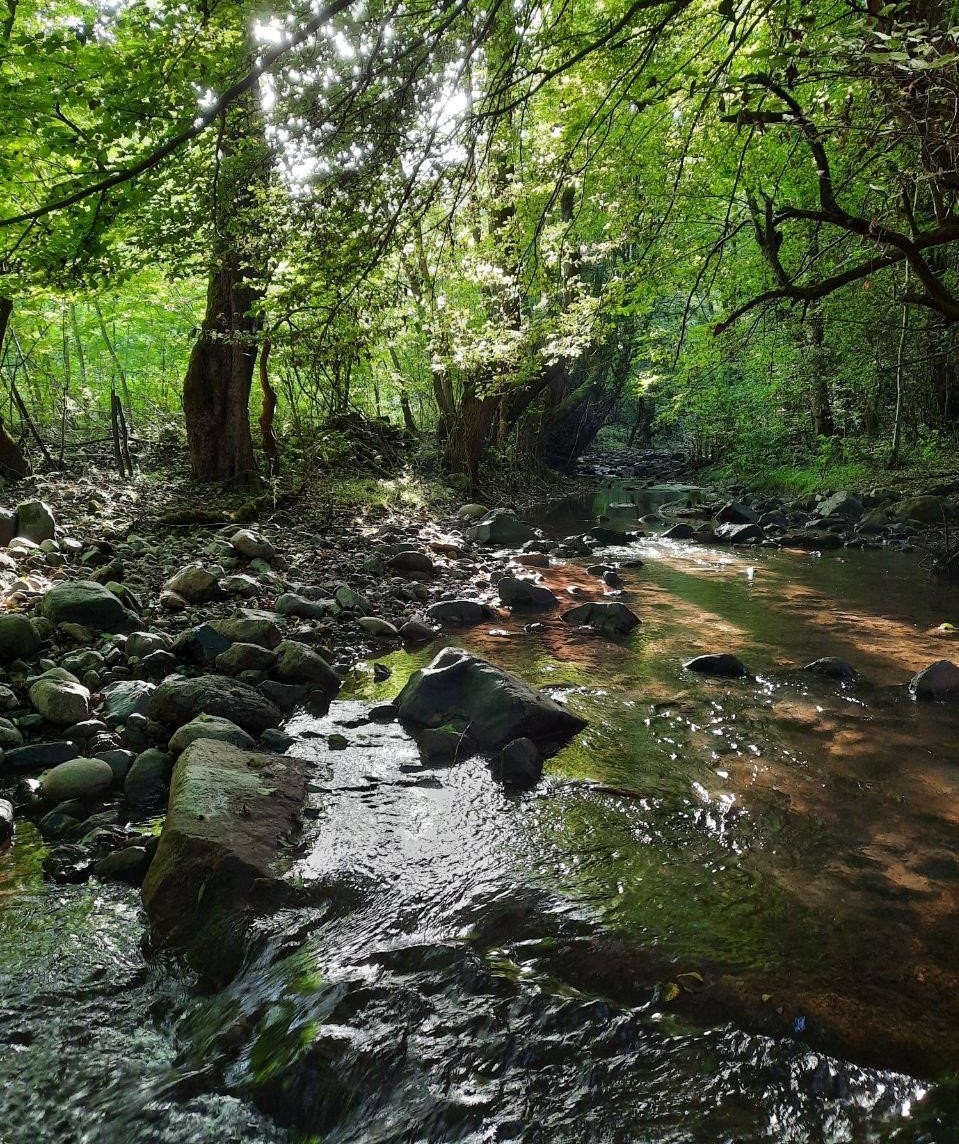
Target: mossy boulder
222, 851
19, 638
89, 604
924, 510
178, 699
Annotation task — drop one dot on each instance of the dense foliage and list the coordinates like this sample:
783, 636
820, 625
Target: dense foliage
501, 226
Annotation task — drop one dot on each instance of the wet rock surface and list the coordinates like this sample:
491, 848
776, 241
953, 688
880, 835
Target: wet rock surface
230, 812
493, 707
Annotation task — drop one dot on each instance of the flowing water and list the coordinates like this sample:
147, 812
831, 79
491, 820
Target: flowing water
729, 912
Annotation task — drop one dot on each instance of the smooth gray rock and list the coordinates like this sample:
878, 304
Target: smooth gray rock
35, 521
229, 818
377, 628
411, 561
738, 533
201, 644
34, 756
244, 657
843, 505
493, 706
736, 513
84, 779
252, 545
124, 698
500, 526
249, 626
140, 644
832, 668
194, 583
60, 700
290, 604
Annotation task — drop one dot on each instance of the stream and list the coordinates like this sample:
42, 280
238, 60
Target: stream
727, 914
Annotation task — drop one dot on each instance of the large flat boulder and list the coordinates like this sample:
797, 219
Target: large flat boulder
494, 707
179, 699
222, 850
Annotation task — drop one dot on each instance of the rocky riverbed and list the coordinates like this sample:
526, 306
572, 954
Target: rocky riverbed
137, 657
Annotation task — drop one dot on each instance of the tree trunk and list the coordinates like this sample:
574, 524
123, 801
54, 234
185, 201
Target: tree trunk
12, 461
216, 392
268, 414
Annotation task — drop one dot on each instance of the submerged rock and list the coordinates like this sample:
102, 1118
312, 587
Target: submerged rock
463, 612
516, 592
940, 680
721, 664
519, 764
832, 668
493, 706
221, 852
177, 700
612, 619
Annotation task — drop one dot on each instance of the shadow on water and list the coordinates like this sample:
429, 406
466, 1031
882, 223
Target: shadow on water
729, 913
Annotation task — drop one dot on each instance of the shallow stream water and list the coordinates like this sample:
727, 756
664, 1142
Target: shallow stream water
729, 912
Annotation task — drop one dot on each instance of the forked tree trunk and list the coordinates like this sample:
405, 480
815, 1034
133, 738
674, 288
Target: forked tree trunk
216, 391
